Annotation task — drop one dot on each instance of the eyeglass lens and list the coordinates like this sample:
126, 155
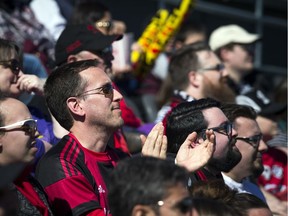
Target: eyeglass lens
30, 127
13, 65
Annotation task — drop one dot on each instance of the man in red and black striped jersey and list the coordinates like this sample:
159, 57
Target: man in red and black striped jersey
76, 171
83, 42
74, 174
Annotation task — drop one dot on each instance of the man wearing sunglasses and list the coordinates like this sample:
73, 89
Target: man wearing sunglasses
199, 116
75, 172
251, 146
196, 72
84, 42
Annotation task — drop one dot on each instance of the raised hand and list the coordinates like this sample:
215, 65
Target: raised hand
156, 142
31, 83
194, 154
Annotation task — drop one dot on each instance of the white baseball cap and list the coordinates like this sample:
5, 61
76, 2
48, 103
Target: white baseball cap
227, 34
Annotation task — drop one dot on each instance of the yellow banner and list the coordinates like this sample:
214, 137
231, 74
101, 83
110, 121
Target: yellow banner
156, 35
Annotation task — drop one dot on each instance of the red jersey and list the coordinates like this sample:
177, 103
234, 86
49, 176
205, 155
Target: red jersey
75, 178
274, 176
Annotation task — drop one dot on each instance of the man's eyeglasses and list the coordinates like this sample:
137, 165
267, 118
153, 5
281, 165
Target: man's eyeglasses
225, 128
185, 205
13, 65
106, 90
253, 140
218, 67
29, 126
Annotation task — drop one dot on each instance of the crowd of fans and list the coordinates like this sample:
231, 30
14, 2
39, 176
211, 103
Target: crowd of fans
80, 135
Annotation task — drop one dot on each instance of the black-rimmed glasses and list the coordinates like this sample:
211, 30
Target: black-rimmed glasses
13, 65
106, 90
225, 129
218, 67
29, 126
253, 140
185, 205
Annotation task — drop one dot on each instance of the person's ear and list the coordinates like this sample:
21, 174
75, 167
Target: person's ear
72, 58
142, 210
74, 105
225, 54
194, 78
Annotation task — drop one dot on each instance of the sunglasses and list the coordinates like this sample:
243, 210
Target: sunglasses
253, 140
106, 90
219, 67
225, 129
184, 206
29, 126
13, 65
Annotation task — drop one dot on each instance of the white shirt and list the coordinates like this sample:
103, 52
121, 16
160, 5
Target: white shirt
245, 186
233, 184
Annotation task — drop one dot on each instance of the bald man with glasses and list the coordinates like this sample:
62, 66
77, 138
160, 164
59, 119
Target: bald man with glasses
21, 194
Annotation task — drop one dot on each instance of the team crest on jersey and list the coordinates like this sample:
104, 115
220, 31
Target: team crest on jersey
100, 189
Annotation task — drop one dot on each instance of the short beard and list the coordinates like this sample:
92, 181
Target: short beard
258, 168
221, 92
225, 164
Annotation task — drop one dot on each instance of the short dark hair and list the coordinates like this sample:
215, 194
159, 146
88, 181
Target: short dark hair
233, 111
213, 207
183, 61
142, 180
64, 82
186, 118
245, 201
215, 189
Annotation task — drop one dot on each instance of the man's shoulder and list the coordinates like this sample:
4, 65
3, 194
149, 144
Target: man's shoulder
63, 160
64, 149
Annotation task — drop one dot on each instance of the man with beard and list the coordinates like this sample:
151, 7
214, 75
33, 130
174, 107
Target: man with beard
251, 146
196, 72
199, 116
